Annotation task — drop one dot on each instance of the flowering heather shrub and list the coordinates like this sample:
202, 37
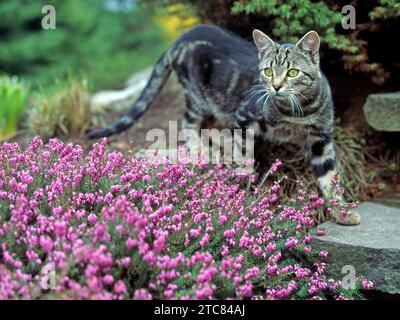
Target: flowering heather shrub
119, 228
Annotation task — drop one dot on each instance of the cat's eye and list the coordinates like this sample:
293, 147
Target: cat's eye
268, 72
293, 73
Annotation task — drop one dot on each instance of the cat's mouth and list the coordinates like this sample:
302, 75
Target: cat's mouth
280, 95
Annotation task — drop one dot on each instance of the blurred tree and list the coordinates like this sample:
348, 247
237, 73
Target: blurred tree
104, 41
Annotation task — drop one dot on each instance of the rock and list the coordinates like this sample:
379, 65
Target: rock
372, 248
382, 111
391, 198
120, 100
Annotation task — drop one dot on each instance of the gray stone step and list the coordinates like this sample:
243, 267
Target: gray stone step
372, 248
382, 111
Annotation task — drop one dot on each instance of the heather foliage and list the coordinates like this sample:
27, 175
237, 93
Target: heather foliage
123, 228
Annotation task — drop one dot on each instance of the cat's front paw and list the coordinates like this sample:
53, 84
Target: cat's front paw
351, 218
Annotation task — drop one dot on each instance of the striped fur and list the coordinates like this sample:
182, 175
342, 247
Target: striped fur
224, 77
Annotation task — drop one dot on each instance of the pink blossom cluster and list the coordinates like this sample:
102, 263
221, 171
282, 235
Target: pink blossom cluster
116, 227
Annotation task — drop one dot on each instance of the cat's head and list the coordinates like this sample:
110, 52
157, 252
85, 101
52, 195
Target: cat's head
289, 69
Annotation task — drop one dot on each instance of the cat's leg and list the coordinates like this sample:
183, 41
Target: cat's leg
191, 125
325, 168
244, 133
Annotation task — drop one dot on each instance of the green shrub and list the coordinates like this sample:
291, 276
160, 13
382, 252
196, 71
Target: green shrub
13, 99
90, 40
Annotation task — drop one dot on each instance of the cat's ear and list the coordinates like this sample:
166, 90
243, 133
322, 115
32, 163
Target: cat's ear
262, 41
310, 43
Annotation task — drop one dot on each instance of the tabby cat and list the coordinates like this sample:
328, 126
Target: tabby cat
277, 90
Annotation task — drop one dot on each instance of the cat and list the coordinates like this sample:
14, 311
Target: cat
278, 90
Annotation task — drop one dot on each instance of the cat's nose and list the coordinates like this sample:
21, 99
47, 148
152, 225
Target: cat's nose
277, 87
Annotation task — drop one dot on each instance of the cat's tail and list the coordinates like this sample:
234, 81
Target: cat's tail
158, 78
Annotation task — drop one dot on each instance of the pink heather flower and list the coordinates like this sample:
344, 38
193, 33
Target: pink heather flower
307, 249
60, 228
204, 241
204, 293
188, 230
323, 254
237, 280
194, 233
125, 262
271, 247
108, 279
160, 242
150, 258
119, 228
95, 285
115, 188
321, 232
367, 285
245, 290
244, 242
198, 217
130, 243
119, 287
92, 218
276, 257
80, 214
46, 243
301, 272
207, 275
229, 233
276, 166
168, 293
291, 243
273, 198
272, 269
222, 219
142, 294
252, 272
225, 250
307, 239
58, 211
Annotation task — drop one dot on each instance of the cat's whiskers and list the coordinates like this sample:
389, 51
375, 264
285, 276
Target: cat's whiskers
291, 104
264, 104
265, 95
256, 92
300, 94
295, 105
296, 102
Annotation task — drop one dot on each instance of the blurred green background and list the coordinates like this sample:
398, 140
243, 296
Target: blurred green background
104, 41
